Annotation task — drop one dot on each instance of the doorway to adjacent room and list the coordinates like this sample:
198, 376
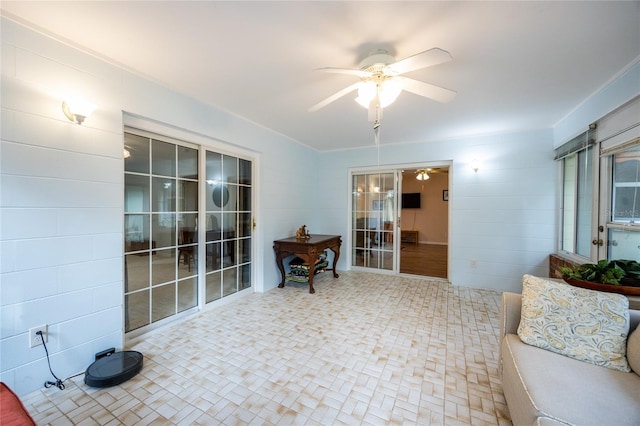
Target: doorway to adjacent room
400, 220
424, 234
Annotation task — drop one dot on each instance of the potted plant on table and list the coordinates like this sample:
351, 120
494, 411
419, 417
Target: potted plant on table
615, 276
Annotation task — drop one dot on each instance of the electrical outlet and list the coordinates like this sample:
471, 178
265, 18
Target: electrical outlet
36, 339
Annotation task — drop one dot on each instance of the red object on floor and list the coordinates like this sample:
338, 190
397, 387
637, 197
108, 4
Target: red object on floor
12, 412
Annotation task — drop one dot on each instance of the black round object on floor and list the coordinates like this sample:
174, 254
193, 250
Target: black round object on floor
113, 369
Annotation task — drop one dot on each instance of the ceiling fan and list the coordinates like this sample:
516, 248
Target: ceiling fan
381, 80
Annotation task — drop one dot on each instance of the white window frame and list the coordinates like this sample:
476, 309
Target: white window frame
617, 132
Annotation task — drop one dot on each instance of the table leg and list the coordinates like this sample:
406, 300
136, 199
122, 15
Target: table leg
310, 259
311, 274
279, 257
336, 256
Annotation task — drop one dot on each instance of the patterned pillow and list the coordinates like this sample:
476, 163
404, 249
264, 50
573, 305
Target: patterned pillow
587, 325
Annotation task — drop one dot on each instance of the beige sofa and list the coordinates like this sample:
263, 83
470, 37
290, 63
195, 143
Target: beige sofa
546, 388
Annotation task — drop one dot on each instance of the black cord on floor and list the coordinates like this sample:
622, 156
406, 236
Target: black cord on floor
58, 383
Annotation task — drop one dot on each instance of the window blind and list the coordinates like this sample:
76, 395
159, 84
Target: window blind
580, 142
620, 129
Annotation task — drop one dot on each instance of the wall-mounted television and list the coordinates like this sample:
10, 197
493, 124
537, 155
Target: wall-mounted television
411, 200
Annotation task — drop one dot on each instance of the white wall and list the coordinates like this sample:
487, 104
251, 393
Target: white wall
503, 216
62, 198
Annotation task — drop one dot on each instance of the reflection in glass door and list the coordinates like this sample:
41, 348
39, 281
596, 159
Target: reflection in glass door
373, 215
160, 233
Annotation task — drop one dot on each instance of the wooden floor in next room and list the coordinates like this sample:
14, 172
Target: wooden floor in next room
424, 259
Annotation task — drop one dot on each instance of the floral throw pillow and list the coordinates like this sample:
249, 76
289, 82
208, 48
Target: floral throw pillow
586, 325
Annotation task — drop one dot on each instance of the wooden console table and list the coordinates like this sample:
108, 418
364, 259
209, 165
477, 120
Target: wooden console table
409, 236
307, 250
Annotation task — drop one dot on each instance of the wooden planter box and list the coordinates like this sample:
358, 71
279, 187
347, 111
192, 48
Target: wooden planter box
620, 289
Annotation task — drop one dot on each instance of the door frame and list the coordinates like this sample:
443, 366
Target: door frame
168, 132
396, 169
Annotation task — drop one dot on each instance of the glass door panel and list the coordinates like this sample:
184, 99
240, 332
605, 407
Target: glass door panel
373, 216
160, 238
229, 225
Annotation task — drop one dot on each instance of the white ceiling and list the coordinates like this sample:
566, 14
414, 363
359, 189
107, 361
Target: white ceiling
516, 65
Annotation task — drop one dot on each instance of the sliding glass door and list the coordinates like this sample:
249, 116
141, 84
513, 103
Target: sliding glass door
187, 239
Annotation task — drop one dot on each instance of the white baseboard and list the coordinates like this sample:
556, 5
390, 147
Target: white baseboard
435, 243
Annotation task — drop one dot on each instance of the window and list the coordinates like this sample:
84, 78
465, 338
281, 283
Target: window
623, 224
600, 216
625, 202
577, 196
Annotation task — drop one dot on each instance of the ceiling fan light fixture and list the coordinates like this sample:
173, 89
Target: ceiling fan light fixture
366, 93
422, 175
381, 81
390, 89
387, 91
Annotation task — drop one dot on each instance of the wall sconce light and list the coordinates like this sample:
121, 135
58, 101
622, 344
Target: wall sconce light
77, 111
475, 165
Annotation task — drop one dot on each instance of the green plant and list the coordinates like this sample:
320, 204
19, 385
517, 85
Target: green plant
604, 272
631, 268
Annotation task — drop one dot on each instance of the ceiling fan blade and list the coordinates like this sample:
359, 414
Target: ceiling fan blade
424, 59
427, 90
335, 97
349, 71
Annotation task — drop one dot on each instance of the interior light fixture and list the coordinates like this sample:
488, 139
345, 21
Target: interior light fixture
475, 165
386, 88
422, 175
77, 110
126, 153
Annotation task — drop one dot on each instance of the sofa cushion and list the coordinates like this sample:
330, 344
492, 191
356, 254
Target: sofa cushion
539, 383
633, 350
587, 325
